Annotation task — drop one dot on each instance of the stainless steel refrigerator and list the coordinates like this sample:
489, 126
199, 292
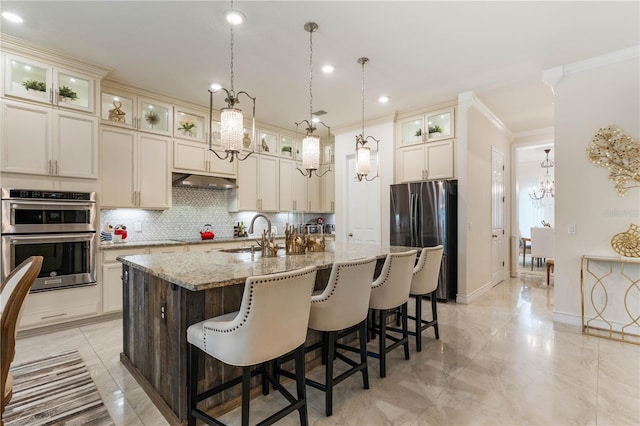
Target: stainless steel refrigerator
425, 214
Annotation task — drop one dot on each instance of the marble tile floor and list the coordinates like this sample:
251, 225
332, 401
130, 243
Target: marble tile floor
499, 361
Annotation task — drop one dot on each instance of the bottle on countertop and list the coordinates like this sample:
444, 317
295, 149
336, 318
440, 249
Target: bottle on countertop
236, 230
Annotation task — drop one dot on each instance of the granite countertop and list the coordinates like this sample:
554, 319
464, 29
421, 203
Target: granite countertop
180, 241
201, 271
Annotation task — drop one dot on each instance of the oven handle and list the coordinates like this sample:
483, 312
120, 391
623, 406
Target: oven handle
33, 205
53, 237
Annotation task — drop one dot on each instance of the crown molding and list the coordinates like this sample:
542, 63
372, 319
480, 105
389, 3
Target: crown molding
427, 109
14, 45
544, 132
552, 76
469, 99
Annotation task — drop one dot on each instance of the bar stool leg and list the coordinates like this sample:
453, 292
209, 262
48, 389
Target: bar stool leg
363, 353
383, 342
405, 329
419, 323
246, 387
301, 385
192, 382
331, 349
434, 310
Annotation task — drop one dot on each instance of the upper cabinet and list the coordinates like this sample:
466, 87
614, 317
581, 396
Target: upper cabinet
189, 124
41, 82
40, 140
433, 126
131, 111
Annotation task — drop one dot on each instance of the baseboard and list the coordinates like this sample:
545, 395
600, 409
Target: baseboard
568, 319
466, 299
70, 324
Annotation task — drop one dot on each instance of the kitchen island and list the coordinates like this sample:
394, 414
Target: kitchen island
165, 293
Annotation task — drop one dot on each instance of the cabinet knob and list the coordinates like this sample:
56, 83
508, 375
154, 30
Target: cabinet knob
350, 234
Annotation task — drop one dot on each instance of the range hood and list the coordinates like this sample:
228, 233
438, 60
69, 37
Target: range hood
182, 180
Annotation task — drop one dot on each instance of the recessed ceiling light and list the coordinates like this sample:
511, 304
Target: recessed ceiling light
12, 17
328, 69
215, 87
234, 17
383, 99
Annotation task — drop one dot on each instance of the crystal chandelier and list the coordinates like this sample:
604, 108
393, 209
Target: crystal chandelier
311, 142
546, 187
363, 152
231, 118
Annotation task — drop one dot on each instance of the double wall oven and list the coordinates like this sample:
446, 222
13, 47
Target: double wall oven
57, 225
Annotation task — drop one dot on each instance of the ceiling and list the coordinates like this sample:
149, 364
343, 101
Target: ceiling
421, 53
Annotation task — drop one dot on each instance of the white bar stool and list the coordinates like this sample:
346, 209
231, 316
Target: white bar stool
272, 321
388, 292
425, 281
339, 310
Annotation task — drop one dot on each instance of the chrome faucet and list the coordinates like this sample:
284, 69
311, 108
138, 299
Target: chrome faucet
265, 218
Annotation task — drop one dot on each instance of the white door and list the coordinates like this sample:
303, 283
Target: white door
363, 204
154, 171
497, 217
76, 145
117, 163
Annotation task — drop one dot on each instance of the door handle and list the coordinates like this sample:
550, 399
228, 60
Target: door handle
494, 236
350, 234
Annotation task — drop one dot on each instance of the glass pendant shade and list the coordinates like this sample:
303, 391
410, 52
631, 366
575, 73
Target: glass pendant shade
363, 160
311, 152
231, 129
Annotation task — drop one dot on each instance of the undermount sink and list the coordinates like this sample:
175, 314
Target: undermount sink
240, 250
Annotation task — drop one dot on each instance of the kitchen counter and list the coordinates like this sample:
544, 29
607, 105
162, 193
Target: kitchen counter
163, 294
201, 271
182, 241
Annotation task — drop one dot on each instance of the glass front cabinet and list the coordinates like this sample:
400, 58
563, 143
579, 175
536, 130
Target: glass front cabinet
123, 109
190, 125
41, 82
433, 126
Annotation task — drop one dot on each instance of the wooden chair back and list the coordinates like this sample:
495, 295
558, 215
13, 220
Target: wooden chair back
13, 292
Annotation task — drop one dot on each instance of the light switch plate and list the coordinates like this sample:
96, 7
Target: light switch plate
571, 229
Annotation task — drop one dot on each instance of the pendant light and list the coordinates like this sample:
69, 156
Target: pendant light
311, 142
546, 187
231, 118
363, 152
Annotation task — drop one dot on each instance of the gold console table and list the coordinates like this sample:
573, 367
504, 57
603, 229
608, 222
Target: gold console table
602, 280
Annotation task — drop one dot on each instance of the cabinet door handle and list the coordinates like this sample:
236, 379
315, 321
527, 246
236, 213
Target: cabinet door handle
55, 167
50, 168
51, 96
333, 206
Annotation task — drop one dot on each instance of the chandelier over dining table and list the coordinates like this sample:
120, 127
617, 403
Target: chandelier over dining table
546, 187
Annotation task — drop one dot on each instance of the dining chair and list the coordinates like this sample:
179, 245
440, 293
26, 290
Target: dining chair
13, 293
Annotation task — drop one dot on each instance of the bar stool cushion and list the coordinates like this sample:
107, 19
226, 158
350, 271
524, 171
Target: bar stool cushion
427, 271
345, 301
272, 320
391, 289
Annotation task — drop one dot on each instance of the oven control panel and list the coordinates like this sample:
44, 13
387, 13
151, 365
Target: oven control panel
51, 195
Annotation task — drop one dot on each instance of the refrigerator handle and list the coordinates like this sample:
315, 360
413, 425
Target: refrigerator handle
411, 217
414, 219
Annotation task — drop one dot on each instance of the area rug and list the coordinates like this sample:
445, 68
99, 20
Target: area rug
56, 390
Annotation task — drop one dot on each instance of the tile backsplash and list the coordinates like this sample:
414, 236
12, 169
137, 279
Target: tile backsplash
191, 209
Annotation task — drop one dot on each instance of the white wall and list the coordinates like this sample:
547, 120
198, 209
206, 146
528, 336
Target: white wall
479, 131
586, 99
345, 146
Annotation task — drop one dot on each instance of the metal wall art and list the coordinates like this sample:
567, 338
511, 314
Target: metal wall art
627, 243
620, 154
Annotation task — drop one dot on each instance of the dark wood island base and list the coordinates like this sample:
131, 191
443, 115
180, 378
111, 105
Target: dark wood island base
159, 304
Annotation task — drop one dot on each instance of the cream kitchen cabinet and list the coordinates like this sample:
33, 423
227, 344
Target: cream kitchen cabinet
195, 157
313, 194
293, 187
258, 183
135, 169
328, 195
44, 141
41, 82
433, 160
120, 108
190, 124
112, 277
